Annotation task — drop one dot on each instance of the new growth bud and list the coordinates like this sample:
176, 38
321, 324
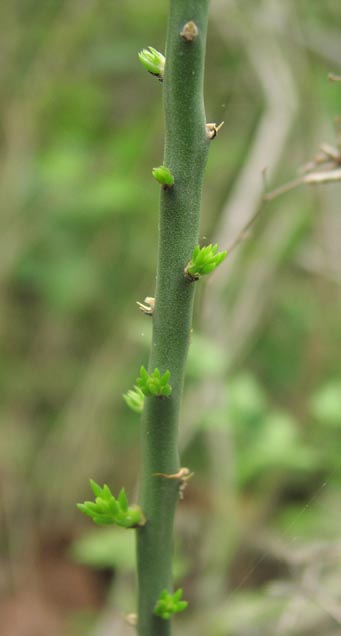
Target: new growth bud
163, 176
134, 398
106, 510
154, 384
169, 604
153, 61
204, 260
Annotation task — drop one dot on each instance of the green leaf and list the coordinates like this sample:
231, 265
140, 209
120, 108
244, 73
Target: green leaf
204, 260
134, 398
205, 358
163, 176
96, 489
106, 510
106, 547
169, 604
106, 492
154, 384
326, 404
153, 61
122, 500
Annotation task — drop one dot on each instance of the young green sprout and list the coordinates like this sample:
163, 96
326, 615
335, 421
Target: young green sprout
163, 176
154, 384
134, 398
204, 260
153, 61
107, 510
169, 604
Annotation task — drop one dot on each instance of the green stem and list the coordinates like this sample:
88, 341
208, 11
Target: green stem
186, 148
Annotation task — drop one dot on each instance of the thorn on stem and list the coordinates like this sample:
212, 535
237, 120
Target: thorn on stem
148, 307
183, 475
212, 130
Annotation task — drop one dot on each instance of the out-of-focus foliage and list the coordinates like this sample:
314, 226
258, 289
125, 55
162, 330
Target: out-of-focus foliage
104, 548
80, 131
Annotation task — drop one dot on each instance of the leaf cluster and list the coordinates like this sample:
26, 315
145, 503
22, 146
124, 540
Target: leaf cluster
204, 260
134, 398
163, 176
169, 604
154, 384
107, 510
153, 61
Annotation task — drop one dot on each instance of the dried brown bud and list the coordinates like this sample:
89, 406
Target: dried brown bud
190, 31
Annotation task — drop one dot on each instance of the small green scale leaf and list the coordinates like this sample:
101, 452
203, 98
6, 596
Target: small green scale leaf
204, 260
134, 398
154, 384
107, 510
163, 176
169, 604
153, 61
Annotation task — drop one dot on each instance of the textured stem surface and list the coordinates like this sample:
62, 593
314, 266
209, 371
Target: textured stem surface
186, 147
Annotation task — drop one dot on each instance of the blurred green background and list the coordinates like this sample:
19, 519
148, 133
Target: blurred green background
258, 548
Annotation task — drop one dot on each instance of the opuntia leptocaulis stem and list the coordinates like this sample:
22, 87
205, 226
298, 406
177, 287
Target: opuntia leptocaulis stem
185, 155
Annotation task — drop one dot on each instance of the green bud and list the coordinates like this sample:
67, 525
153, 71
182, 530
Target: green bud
169, 604
96, 489
153, 61
163, 176
134, 398
204, 260
106, 510
154, 384
122, 500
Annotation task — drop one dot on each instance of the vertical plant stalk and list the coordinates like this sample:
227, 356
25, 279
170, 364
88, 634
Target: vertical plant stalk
186, 149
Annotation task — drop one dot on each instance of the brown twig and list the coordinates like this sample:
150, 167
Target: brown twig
334, 78
311, 178
243, 234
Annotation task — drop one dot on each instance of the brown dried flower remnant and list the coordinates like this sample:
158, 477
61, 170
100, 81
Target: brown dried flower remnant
190, 31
